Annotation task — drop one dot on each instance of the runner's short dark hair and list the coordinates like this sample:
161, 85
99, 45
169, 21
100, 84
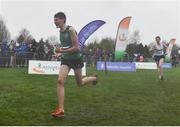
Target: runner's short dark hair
158, 37
60, 15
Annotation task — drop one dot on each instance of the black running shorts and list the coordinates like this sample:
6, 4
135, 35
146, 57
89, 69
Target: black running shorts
74, 64
157, 58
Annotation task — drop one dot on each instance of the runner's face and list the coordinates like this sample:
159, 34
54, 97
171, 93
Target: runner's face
58, 22
158, 40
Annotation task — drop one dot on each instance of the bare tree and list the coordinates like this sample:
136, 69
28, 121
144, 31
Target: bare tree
135, 37
53, 40
24, 35
4, 32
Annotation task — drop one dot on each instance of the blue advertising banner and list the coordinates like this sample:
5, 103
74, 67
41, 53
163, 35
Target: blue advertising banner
87, 30
117, 66
167, 65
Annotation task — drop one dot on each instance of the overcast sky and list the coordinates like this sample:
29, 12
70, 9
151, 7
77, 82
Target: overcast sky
151, 17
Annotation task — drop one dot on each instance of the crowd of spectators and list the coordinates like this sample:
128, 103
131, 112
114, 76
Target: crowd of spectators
17, 54
14, 54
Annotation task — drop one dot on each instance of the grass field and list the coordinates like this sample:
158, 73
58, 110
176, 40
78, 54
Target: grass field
118, 99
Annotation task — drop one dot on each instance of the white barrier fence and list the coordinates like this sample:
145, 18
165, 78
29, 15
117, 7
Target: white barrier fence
53, 67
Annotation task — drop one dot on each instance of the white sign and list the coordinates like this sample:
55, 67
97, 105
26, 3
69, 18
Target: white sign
150, 65
48, 68
142, 65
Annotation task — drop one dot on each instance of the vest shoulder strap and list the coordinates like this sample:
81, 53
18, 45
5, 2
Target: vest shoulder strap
68, 27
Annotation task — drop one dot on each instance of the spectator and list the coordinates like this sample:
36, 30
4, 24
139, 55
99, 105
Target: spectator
31, 50
141, 58
5, 54
21, 54
12, 53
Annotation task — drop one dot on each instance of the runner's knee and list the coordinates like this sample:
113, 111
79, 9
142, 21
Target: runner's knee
61, 81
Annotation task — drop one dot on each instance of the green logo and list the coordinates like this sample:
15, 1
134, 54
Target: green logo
39, 65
